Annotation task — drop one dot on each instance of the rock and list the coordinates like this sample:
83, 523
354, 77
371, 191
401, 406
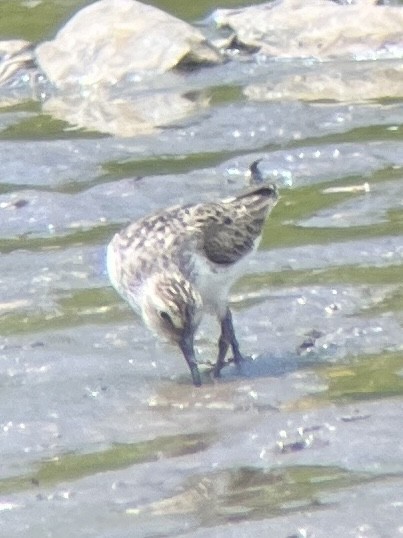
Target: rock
322, 29
11, 47
110, 40
15, 55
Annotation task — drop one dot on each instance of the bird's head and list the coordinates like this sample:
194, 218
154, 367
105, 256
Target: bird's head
172, 308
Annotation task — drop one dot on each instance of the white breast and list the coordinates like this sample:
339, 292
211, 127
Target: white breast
214, 282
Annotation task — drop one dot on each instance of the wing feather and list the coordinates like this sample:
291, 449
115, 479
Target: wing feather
233, 227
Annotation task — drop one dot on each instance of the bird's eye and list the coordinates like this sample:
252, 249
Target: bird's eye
165, 316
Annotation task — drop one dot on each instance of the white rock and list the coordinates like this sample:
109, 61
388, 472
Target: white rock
320, 29
108, 40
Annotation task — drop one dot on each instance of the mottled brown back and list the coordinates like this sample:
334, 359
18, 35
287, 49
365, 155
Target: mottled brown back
223, 232
233, 227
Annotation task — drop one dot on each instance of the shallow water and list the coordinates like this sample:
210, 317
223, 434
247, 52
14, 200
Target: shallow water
102, 433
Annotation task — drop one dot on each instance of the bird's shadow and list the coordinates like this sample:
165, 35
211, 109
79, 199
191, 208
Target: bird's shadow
264, 365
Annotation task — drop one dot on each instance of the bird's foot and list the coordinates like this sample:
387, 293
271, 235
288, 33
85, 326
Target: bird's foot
238, 360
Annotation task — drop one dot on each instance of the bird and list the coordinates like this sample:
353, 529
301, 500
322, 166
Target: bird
176, 264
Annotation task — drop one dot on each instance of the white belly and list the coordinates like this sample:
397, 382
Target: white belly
214, 282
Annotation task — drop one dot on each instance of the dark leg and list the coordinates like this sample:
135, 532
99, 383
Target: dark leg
186, 345
227, 338
194, 370
223, 346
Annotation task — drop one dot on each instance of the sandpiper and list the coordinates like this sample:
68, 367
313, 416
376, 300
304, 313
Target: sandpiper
174, 265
